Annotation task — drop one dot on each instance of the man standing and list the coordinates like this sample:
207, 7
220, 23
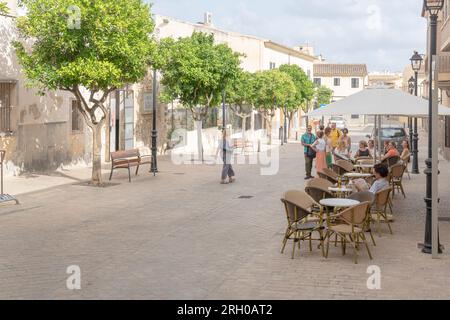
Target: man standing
335, 135
307, 140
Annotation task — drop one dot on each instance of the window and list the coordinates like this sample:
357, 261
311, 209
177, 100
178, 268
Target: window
77, 121
317, 81
272, 65
309, 74
5, 107
355, 83
337, 82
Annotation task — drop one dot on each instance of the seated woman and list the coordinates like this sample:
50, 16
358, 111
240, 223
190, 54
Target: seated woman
406, 153
363, 150
392, 151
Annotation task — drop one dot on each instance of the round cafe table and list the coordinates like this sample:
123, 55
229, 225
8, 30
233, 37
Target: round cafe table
340, 191
364, 167
357, 175
338, 203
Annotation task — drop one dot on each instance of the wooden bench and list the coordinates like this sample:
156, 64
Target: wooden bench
242, 144
128, 159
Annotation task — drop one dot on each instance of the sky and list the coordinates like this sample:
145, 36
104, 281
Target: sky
381, 33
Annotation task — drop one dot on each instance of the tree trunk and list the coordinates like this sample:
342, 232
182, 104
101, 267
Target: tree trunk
291, 118
199, 126
269, 129
97, 155
244, 127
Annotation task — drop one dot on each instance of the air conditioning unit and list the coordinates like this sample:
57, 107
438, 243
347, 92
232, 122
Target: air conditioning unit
208, 18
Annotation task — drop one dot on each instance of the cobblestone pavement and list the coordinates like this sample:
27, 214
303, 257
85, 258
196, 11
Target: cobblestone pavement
182, 235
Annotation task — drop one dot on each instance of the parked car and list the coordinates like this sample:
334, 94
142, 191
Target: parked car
391, 133
339, 121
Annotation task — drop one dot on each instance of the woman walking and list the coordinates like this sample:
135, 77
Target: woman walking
320, 147
226, 152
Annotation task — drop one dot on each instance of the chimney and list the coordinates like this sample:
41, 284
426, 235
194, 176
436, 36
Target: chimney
306, 49
208, 19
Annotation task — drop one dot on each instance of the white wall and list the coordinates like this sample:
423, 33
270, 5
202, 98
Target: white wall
279, 58
345, 89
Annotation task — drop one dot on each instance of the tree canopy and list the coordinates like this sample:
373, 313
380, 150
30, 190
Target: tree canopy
304, 87
196, 71
323, 96
3, 8
273, 88
241, 93
93, 46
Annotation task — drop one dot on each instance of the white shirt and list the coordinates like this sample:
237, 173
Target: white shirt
321, 145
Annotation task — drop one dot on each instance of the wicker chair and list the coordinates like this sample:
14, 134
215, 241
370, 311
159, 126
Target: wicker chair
328, 174
350, 229
396, 180
365, 196
406, 162
298, 208
320, 183
379, 212
391, 161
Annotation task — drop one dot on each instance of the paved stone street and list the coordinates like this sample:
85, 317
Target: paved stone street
182, 235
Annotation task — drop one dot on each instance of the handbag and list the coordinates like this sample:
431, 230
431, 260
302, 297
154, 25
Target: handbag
311, 153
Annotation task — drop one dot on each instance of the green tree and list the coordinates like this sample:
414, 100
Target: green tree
3, 8
273, 88
241, 96
196, 71
304, 91
106, 48
323, 96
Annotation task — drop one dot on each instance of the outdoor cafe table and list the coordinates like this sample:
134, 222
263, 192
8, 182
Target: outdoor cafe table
357, 175
364, 167
338, 203
342, 191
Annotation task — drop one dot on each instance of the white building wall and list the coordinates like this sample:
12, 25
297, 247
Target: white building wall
280, 58
345, 88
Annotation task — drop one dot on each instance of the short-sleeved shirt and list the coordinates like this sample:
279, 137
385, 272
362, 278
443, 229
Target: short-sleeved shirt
335, 135
379, 185
321, 145
392, 153
308, 139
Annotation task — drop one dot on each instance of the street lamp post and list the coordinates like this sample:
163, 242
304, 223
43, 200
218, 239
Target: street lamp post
224, 126
416, 64
285, 125
410, 121
154, 165
433, 7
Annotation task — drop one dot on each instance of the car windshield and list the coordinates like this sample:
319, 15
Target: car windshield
392, 133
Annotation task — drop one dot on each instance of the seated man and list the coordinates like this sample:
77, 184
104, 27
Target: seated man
381, 172
392, 151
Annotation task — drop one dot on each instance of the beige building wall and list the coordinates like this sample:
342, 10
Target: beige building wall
40, 136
